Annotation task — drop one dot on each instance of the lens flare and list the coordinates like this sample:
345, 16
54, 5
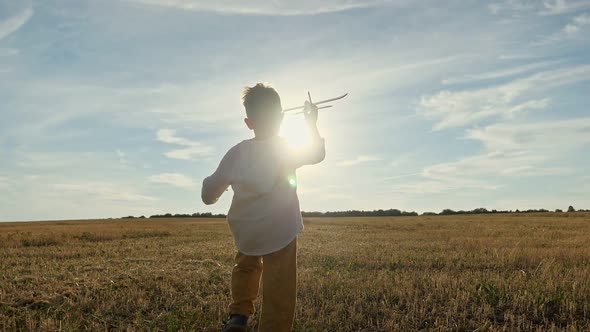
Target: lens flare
292, 181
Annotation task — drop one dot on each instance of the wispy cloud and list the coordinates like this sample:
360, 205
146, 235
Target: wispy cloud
576, 30
497, 74
8, 51
259, 7
460, 108
513, 150
577, 24
15, 22
121, 156
103, 191
433, 187
173, 179
192, 148
547, 137
479, 172
558, 7
543, 8
510, 6
53, 160
510, 56
403, 176
357, 160
5, 182
518, 163
403, 159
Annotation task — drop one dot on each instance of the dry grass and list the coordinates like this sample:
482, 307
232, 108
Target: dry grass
461, 273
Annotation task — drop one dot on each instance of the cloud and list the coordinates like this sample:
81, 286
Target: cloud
260, 7
572, 30
582, 19
55, 160
357, 160
480, 172
554, 7
9, 51
507, 164
69, 196
460, 108
575, 30
168, 136
529, 170
173, 179
55, 102
547, 137
187, 153
192, 148
121, 156
517, 56
102, 191
559, 7
402, 176
5, 182
15, 22
438, 186
497, 74
576, 24
63, 161
403, 159
512, 150
510, 6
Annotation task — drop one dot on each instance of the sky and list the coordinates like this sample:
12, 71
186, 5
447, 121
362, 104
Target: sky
121, 107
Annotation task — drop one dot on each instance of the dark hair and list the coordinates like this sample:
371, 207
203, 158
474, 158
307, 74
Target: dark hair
261, 101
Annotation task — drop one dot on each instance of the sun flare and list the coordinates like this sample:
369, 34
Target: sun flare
295, 131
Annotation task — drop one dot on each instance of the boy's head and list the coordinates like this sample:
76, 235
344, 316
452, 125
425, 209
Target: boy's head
263, 110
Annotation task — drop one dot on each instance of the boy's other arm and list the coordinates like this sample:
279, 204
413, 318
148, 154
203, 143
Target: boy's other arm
217, 183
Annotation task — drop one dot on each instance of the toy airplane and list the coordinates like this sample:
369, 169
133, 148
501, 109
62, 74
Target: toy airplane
317, 103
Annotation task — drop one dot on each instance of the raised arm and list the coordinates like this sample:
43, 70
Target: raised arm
316, 151
217, 183
318, 146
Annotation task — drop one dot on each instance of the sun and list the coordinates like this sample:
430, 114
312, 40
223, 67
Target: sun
295, 131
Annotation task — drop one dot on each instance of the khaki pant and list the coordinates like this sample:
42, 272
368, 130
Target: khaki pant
279, 280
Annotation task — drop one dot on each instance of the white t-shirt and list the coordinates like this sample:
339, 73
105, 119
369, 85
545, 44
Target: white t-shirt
264, 216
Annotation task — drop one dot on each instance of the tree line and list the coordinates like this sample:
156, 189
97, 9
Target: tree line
372, 213
181, 215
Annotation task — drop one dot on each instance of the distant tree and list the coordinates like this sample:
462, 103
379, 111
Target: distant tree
359, 213
373, 213
558, 210
571, 209
429, 214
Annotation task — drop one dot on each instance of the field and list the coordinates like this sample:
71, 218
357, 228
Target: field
460, 273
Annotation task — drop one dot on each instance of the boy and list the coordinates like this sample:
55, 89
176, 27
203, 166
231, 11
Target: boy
264, 216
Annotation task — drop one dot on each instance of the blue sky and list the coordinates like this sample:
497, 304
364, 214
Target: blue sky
113, 108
